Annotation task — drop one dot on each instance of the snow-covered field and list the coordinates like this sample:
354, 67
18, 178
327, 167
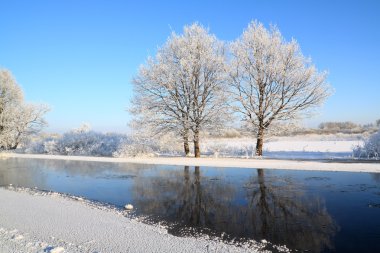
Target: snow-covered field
311, 144
32, 221
292, 147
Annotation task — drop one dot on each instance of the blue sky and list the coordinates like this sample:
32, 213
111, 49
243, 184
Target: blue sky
80, 56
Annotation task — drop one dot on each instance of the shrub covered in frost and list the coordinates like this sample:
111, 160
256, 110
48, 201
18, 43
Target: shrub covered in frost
144, 146
135, 149
371, 148
345, 127
43, 146
89, 143
86, 143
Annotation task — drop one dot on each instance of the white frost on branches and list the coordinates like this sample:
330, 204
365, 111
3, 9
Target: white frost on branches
272, 80
18, 120
182, 89
371, 148
81, 141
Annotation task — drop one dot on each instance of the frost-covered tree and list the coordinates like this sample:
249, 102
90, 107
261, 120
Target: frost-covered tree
10, 97
272, 80
182, 88
29, 121
18, 120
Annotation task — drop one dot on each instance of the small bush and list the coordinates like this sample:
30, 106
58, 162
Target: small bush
135, 149
371, 148
148, 146
230, 133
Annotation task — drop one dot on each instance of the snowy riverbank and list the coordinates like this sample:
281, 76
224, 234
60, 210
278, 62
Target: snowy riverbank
32, 221
333, 165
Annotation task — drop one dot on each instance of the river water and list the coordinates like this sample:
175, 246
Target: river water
308, 211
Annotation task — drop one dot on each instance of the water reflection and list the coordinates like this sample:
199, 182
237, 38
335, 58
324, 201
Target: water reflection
34, 172
21, 174
376, 177
280, 211
272, 208
109, 183
180, 196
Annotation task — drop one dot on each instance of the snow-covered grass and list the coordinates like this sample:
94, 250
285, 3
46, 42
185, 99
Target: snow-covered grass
32, 221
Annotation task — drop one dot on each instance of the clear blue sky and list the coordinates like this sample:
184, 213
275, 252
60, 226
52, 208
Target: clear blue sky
80, 56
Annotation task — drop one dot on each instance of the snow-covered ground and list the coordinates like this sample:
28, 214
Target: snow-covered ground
32, 221
222, 162
311, 146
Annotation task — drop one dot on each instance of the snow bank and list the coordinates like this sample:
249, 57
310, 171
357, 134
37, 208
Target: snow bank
32, 221
333, 165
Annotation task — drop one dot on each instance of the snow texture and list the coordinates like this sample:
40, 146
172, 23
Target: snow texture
33, 221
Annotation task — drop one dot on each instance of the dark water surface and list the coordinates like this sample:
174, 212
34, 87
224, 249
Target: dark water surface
308, 211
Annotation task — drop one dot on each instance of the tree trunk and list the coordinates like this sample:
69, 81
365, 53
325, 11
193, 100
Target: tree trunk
185, 135
17, 141
186, 145
260, 141
197, 151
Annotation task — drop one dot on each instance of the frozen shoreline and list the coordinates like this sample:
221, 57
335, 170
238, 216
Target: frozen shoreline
221, 162
32, 221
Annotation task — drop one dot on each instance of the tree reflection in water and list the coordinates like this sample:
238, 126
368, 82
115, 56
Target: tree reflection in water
181, 198
277, 209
